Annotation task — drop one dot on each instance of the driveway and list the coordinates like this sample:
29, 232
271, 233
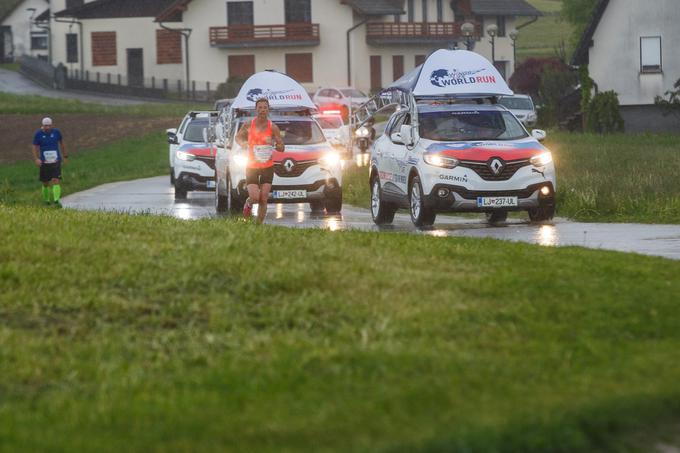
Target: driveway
16, 83
156, 196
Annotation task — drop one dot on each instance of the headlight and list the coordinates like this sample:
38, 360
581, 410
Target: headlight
240, 160
362, 132
181, 155
440, 161
541, 160
330, 158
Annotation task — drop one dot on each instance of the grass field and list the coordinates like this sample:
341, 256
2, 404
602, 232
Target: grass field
127, 159
21, 104
10, 66
143, 333
600, 178
544, 37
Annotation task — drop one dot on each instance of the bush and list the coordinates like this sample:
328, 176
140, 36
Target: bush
603, 114
555, 85
230, 88
527, 77
672, 104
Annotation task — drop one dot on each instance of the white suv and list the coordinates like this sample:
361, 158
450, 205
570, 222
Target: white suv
308, 171
522, 106
460, 158
192, 159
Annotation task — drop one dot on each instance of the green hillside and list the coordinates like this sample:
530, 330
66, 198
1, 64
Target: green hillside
544, 37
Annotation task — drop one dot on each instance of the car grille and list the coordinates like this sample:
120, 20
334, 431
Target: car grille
209, 161
298, 169
483, 170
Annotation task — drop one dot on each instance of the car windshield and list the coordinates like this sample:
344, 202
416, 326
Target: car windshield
194, 132
470, 125
516, 103
300, 132
352, 93
329, 122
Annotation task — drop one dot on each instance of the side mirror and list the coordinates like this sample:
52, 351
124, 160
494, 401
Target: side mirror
396, 138
172, 138
406, 133
538, 134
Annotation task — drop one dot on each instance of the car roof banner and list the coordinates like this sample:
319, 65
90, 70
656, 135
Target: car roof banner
454, 73
281, 91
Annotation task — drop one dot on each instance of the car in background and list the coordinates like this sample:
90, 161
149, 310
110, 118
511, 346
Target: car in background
191, 157
335, 130
522, 106
340, 99
222, 104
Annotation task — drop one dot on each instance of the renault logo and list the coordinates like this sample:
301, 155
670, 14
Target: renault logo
288, 164
496, 165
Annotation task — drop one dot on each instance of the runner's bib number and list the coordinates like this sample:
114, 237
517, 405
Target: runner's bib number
263, 153
50, 156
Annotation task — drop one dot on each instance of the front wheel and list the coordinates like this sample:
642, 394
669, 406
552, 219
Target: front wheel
382, 213
542, 213
496, 216
234, 205
220, 201
421, 215
172, 176
334, 203
180, 192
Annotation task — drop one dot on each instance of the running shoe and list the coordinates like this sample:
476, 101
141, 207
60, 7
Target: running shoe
57, 204
247, 210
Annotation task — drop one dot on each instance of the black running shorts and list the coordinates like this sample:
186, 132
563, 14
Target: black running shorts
259, 175
48, 172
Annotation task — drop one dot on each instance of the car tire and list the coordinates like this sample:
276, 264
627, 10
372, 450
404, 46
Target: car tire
234, 205
172, 176
421, 215
316, 206
542, 213
180, 192
496, 216
382, 212
334, 203
220, 201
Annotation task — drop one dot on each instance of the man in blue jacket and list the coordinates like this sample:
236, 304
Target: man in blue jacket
49, 152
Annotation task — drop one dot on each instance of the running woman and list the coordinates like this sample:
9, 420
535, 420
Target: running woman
48, 153
258, 136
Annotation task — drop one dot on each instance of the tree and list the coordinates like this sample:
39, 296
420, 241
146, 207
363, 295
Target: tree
672, 104
578, 13
527, 77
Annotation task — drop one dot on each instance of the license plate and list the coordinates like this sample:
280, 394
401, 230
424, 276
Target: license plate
496, 202
211, 184
289, 194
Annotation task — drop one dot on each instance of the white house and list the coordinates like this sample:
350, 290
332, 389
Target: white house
364, 43
21, 31
631, 47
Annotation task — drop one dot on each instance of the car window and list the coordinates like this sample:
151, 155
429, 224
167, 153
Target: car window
470, 125
323, 93
516, 103
300, 132
329, 122
353, 93
194, 131
336, 94
180, 130
396, 125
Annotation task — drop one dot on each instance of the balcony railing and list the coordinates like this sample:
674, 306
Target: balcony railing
417, 32
235, 36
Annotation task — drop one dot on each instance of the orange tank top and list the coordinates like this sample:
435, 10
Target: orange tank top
260, 148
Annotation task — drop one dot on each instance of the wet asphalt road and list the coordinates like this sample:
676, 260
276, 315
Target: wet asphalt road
156, 196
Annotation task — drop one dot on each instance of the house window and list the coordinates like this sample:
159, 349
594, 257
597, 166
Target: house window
424, 10
650, 54
397, 66
168, 47
240, 13
298, 11
38, 42
299, 66
440, 11
73, 3
500, 21
376, 73
241, 65
104, 48
71, 48
411, 7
